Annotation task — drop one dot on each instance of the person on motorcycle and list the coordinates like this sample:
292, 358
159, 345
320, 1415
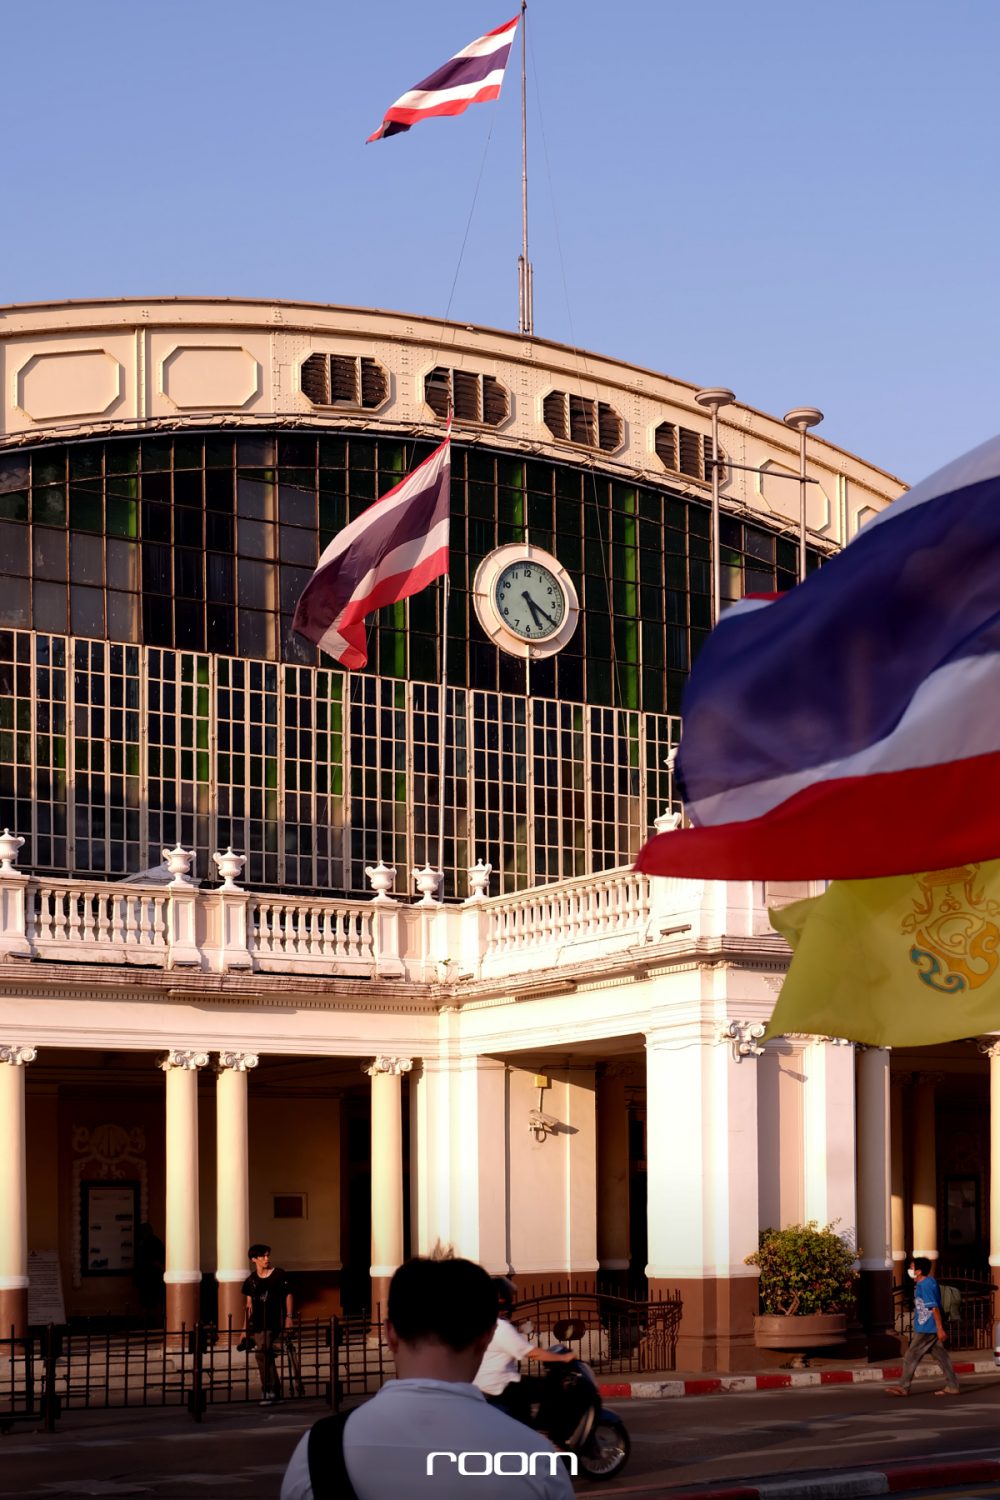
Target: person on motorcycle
498, 1377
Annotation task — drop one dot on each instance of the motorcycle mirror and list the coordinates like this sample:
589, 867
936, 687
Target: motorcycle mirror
568, 1330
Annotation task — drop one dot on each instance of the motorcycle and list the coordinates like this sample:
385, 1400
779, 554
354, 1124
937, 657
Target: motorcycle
573, 1416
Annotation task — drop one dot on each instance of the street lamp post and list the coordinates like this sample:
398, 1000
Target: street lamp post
800, 419
713, 399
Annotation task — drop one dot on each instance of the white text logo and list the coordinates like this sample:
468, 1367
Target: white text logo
475, 1464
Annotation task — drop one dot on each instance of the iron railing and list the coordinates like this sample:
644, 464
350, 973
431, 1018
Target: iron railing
332, 1360
972, 1328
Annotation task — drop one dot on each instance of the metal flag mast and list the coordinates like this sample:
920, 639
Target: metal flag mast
525, 289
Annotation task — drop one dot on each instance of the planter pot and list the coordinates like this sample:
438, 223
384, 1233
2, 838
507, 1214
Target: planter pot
799, 1331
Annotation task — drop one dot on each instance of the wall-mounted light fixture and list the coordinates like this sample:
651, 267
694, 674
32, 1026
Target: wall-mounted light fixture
539, 1123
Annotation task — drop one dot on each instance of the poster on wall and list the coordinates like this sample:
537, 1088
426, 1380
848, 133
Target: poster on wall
110, 1219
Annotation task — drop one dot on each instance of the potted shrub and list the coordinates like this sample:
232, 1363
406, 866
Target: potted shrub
807, 1287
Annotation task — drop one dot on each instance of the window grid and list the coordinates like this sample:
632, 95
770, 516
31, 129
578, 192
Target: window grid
169, 746
204, 542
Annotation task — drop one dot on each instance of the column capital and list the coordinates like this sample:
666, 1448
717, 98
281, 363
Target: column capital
745, 1037
17, 1055
989, 1046
190, 1061
871, 1047
237, 1062
393, 1065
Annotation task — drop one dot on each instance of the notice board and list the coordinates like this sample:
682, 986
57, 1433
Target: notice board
110, 1218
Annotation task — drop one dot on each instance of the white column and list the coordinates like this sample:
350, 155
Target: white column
182, 1272
13, 1192
874, 1179
925, 1168
386, 1074
701, 1102
478, 1138
613, 1238
896, 1123
874, 1188
992, 1050
828, 1119
232, 1191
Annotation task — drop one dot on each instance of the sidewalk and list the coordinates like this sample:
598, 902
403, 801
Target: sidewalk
891, 1480
675, 1383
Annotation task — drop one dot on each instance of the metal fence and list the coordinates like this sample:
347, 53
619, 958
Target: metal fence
192, 1368
970, 1328
332, 1359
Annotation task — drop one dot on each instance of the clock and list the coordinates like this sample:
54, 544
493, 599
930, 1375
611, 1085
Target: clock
525, 601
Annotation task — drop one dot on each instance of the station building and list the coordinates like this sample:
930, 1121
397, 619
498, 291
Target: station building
235, 1001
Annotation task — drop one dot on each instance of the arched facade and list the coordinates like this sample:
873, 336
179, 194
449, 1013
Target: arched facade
170, 471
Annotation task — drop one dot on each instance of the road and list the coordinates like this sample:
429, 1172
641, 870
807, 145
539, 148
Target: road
239, 1453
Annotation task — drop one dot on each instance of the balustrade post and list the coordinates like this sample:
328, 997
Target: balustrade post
13, 906
385, 923
475, 919
182, 943
234, 903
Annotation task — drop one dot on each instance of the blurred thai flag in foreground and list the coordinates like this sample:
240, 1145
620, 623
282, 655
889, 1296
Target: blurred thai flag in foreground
470, 77
393, 549
851, 728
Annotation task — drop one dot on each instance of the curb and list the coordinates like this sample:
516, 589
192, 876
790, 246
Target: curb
731, 1385
855, 1482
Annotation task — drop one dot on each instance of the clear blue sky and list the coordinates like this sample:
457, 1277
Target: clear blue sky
800, 202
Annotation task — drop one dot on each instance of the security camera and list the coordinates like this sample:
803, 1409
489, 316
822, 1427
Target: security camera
539, 1121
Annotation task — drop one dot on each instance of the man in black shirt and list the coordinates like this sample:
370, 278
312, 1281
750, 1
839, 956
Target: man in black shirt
269, 1306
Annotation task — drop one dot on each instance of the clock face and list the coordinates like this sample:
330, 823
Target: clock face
525, 601
530, 599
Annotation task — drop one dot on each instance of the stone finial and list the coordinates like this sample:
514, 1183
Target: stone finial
667, 822
10, 845
479, 880
179, 862
428, 880
230, 867
382, 878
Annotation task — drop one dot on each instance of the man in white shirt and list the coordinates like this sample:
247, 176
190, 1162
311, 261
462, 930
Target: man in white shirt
429, 1430
498, 1377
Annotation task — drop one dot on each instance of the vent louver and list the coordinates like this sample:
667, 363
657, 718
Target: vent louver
474, 398
578, 419
344, 380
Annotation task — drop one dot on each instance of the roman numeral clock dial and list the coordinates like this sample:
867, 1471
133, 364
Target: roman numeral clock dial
525, 601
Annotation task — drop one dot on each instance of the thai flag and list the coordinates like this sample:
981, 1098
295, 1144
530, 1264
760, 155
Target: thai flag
851, 728
394, 549
470, 77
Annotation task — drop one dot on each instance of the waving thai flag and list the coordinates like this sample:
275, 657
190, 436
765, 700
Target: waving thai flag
851, 728
394, 549
470, 77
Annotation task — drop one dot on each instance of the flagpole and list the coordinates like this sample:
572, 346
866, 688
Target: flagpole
442, 728
525, 289
443, 698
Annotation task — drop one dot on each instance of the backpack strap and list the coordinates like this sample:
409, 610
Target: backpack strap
328, 1474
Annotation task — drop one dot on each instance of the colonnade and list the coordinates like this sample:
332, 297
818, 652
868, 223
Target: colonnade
182, 1262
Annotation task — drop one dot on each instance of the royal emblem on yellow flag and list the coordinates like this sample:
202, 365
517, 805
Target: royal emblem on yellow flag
907, 961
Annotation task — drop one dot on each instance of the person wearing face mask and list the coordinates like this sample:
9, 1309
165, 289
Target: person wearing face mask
929, 1332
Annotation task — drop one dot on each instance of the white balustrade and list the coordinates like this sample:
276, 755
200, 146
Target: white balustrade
301, 936
548, 923
95, 923
229, 929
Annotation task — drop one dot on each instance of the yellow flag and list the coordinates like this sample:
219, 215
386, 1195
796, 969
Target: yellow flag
902, 962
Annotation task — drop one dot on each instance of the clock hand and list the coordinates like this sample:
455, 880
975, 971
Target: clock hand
536, 609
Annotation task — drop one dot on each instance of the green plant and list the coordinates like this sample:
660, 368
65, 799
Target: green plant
805, 1269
